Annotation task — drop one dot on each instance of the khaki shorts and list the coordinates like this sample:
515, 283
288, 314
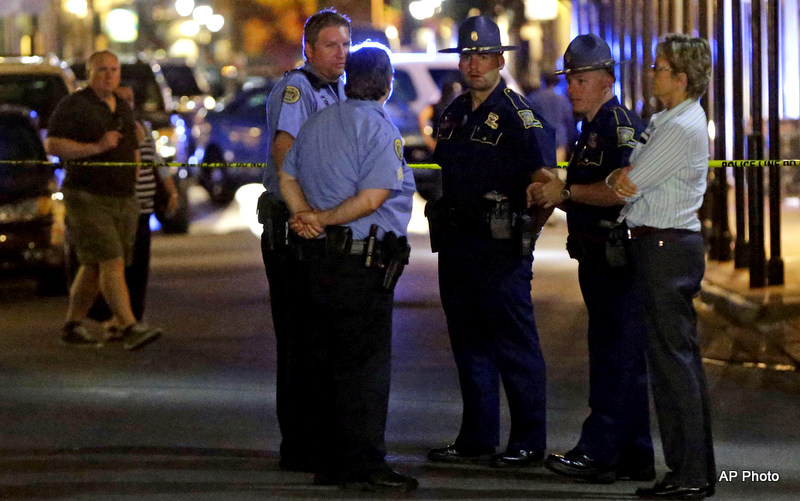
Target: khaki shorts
100, 228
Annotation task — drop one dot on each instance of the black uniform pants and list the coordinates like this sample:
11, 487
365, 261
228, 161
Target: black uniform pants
668, 268
292, 407
342, 357
617, 431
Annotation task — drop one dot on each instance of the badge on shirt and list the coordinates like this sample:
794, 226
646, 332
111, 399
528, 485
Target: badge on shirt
491, 121
625, 137
291, 94
592, 141
398, 148
528, 120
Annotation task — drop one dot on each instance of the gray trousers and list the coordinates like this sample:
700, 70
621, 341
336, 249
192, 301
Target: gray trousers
668, 269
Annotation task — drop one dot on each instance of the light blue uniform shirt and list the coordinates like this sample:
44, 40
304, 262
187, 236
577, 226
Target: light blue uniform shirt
349, 147
670, 169
297, 96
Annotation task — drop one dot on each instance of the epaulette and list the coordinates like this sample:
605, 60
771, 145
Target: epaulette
621, 116
316, 82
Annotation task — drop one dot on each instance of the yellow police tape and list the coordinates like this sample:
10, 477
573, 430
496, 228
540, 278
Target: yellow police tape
261, 165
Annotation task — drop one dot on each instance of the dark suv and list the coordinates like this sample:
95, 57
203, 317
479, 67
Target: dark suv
32, 230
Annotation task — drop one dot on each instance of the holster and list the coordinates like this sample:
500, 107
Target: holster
338, 241
437, 213
616, 255
395, 253
274, 215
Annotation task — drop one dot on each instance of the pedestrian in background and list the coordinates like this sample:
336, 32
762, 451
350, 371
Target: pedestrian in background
149, 181
349, 191
299, 94
490, 146
615, 440
556, 110
93, 125
663, 189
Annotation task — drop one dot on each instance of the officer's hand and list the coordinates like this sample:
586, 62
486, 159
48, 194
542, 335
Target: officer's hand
306, 224
109, 141
545, 194
619, 181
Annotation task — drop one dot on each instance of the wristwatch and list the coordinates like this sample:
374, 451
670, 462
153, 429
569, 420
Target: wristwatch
565, 194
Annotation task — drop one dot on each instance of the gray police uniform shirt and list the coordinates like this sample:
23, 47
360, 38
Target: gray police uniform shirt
297, 96
349, 147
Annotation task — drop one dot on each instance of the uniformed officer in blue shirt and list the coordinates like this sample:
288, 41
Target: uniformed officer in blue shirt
350, 194
299, 94
615, 440
490, 146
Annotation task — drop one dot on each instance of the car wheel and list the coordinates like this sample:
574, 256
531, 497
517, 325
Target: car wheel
213, 179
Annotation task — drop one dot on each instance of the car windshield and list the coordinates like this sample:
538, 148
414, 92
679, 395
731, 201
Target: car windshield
40, 93
181, 80
19, 141
250, 103
402, 88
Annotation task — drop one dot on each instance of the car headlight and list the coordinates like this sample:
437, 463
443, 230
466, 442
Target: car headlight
26, 210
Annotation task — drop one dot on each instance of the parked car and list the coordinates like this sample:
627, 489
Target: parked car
233, 132
154, 103
32, 229
35, 82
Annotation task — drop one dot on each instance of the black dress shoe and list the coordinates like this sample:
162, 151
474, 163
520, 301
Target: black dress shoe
454, 454
386, 480
517, 458
638, 474
576, 464
297, 464
663, 490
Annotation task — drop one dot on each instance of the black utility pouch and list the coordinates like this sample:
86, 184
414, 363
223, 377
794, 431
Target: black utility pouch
274, 215
338, 241
616, 256
436, 212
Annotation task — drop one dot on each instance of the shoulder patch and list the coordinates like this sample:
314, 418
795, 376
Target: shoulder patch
528, 119
291, 94
625, 137
398, 148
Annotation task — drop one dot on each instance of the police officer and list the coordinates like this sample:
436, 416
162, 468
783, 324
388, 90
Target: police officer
349, 190
490, 146
615, 441
300, 93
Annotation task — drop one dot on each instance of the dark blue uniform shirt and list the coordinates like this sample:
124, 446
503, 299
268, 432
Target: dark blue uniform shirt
496, 147
605, 144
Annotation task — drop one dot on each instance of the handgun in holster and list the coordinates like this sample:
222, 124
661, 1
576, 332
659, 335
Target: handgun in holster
395, 256
274, 215
498, 213
527, 234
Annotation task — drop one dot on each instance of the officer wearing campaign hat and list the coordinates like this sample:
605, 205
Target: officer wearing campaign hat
490, 145
615, 440
588, 53
479, 34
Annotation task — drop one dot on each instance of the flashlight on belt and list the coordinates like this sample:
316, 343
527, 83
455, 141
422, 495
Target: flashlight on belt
371, 239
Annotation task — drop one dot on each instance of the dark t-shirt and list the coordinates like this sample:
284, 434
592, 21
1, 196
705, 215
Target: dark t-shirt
84, 117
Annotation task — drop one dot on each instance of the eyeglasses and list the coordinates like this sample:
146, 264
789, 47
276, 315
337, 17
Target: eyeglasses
653, 67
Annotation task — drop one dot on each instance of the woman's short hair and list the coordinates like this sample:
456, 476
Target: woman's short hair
688, 55
368, 72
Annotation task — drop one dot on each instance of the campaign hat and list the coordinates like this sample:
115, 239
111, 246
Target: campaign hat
479, 34
587, 53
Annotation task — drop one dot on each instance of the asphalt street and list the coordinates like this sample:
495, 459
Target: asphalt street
192, 416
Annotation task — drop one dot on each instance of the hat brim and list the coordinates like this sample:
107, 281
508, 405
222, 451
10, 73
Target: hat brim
584, 69
478, 50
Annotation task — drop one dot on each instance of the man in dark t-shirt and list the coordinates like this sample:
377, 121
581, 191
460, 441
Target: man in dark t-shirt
93, 126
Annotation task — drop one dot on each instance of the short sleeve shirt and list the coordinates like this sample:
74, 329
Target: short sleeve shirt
297, 96
496, 147
605, 144
349, 147
84, 117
